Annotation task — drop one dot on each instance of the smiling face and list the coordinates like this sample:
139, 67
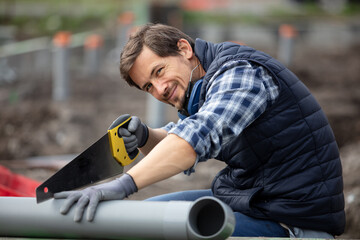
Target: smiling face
166, 78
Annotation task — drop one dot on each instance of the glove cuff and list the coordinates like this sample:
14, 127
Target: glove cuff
128, 184
145, 136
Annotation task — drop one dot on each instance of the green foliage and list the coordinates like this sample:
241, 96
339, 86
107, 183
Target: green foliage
306, 11
352, 9
69, 15
218, 18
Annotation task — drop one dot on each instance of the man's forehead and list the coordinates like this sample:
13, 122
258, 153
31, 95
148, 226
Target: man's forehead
144, 64
146, 58
147, 52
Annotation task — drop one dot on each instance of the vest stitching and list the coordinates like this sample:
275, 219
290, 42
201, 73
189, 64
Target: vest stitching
298, 156
313, 137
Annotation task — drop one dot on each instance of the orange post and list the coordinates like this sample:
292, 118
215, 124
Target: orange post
93, 41
62, 39
126, 18
287, 35
287, 31
92, 47
125, 22
60, 70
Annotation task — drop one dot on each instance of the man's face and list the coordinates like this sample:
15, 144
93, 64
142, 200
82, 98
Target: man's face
166, 78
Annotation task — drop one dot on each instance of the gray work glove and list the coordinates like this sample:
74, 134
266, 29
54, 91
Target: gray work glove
114, 190
135, 134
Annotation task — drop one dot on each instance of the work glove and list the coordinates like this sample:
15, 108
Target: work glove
117, 189
135, 134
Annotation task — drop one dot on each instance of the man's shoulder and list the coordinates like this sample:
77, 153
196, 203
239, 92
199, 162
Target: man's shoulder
236, 66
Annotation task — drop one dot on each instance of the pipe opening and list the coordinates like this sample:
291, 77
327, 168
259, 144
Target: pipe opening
206, 217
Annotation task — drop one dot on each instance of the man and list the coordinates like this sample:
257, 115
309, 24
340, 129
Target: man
238, 105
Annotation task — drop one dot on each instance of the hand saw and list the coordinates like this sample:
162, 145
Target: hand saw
104, 159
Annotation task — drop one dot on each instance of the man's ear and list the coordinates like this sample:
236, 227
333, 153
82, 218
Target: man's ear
185, 48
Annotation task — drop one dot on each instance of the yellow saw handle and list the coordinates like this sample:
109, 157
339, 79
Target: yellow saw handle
117, 145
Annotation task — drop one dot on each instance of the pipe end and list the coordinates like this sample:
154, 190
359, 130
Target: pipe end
210, 218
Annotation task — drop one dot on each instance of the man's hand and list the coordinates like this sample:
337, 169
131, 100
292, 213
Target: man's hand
135, 135
115, 190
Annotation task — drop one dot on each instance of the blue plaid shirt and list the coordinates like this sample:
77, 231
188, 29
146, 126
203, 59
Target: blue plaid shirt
237, 94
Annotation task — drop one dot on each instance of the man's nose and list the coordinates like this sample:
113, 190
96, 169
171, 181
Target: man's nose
161, 87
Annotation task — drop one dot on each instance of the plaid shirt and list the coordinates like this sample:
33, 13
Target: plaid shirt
237, 94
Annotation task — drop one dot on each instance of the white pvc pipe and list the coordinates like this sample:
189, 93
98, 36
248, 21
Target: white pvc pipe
206, 218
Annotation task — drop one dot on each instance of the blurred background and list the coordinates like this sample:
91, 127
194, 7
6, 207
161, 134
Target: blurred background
60, 86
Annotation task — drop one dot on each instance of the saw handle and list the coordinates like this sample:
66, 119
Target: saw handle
117, 143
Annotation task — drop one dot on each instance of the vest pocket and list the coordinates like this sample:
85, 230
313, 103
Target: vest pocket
244, 198
239, 200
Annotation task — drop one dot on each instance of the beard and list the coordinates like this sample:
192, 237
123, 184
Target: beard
179, 103
183, 102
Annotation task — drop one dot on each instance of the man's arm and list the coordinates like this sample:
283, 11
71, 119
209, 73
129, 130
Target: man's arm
155, 136
169, 157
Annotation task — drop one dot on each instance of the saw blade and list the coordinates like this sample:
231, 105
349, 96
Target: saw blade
94, 164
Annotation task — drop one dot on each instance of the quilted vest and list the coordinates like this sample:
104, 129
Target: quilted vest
285, 166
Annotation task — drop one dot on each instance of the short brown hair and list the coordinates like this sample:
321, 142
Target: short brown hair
159, 38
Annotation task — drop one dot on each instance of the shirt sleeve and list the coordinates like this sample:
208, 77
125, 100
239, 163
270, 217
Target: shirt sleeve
237, 94
170, 125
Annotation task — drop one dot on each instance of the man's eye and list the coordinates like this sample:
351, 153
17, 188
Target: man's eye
159, 71
147, 88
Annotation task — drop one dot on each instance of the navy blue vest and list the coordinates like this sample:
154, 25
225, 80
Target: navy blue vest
285, 166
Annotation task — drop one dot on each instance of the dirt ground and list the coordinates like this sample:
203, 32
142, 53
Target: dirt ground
32, 125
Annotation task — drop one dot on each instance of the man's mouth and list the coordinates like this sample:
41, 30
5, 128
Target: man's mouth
171, 94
